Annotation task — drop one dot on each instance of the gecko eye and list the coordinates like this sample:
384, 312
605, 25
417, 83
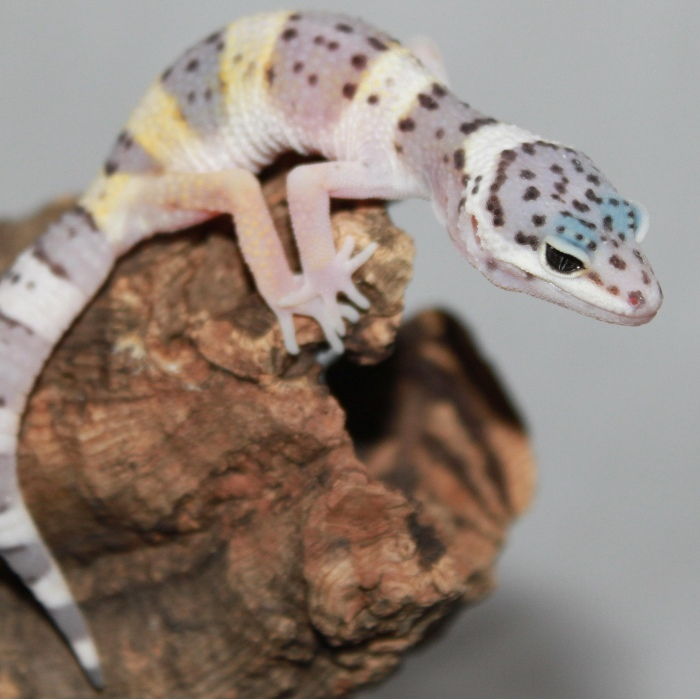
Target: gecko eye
562, 262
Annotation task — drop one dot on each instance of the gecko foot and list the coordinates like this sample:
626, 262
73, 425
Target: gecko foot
327, 282
317, 297
333, 327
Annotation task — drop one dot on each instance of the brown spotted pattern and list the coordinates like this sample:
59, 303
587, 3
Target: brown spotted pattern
319, 63
193, 79
431, 137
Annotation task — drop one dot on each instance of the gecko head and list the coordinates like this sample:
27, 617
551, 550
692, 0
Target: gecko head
540, 218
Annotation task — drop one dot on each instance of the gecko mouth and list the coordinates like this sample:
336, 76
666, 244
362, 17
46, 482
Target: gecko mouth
636, 316
513, 278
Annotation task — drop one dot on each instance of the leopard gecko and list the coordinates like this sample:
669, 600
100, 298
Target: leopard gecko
531, 214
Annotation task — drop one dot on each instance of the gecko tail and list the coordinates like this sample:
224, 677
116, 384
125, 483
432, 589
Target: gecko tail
28, 556
40, 295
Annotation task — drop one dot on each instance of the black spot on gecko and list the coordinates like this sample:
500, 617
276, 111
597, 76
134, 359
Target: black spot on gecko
617, 262
528, 148
493, 204
319, 40
580, 206
593, 179
342, 27
590, 194
556, 169
289, 34
427, 102
373, 100
376, 44
531, 193
125, 140
538, 219
41, 255
192, 65
359, 61
349, 90
522, 239
332, 45
548, 144
295, 17
312, 79
438, 90
269, 75
470, 127
439, 133
406, 124
527, 174
298, 66
459, 158
607, 223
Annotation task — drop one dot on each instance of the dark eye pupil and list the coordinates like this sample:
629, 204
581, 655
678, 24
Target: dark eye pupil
562, 262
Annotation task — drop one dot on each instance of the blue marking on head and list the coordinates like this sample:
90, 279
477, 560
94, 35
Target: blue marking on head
576, 232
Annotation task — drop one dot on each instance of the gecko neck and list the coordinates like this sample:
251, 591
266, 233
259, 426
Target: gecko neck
435, 151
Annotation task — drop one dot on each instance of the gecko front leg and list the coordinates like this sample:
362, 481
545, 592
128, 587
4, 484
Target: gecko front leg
327, 272
237, 192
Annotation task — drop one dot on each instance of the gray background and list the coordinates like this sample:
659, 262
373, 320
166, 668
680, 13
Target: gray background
600, 581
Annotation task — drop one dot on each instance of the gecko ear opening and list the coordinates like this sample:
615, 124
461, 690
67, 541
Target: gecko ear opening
641, 221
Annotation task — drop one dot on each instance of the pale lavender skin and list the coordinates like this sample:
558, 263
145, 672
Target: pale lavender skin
389, 127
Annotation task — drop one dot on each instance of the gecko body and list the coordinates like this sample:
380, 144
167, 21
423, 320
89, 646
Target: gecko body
531, 214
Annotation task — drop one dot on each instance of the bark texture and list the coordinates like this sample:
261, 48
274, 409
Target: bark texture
239, 522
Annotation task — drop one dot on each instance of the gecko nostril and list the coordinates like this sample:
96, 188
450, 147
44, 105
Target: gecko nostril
636, 298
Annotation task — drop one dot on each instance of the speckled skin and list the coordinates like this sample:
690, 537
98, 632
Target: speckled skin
530, 214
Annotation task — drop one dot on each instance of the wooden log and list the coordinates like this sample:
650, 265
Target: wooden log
238, 522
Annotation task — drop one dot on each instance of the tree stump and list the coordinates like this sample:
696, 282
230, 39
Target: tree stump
238, 522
